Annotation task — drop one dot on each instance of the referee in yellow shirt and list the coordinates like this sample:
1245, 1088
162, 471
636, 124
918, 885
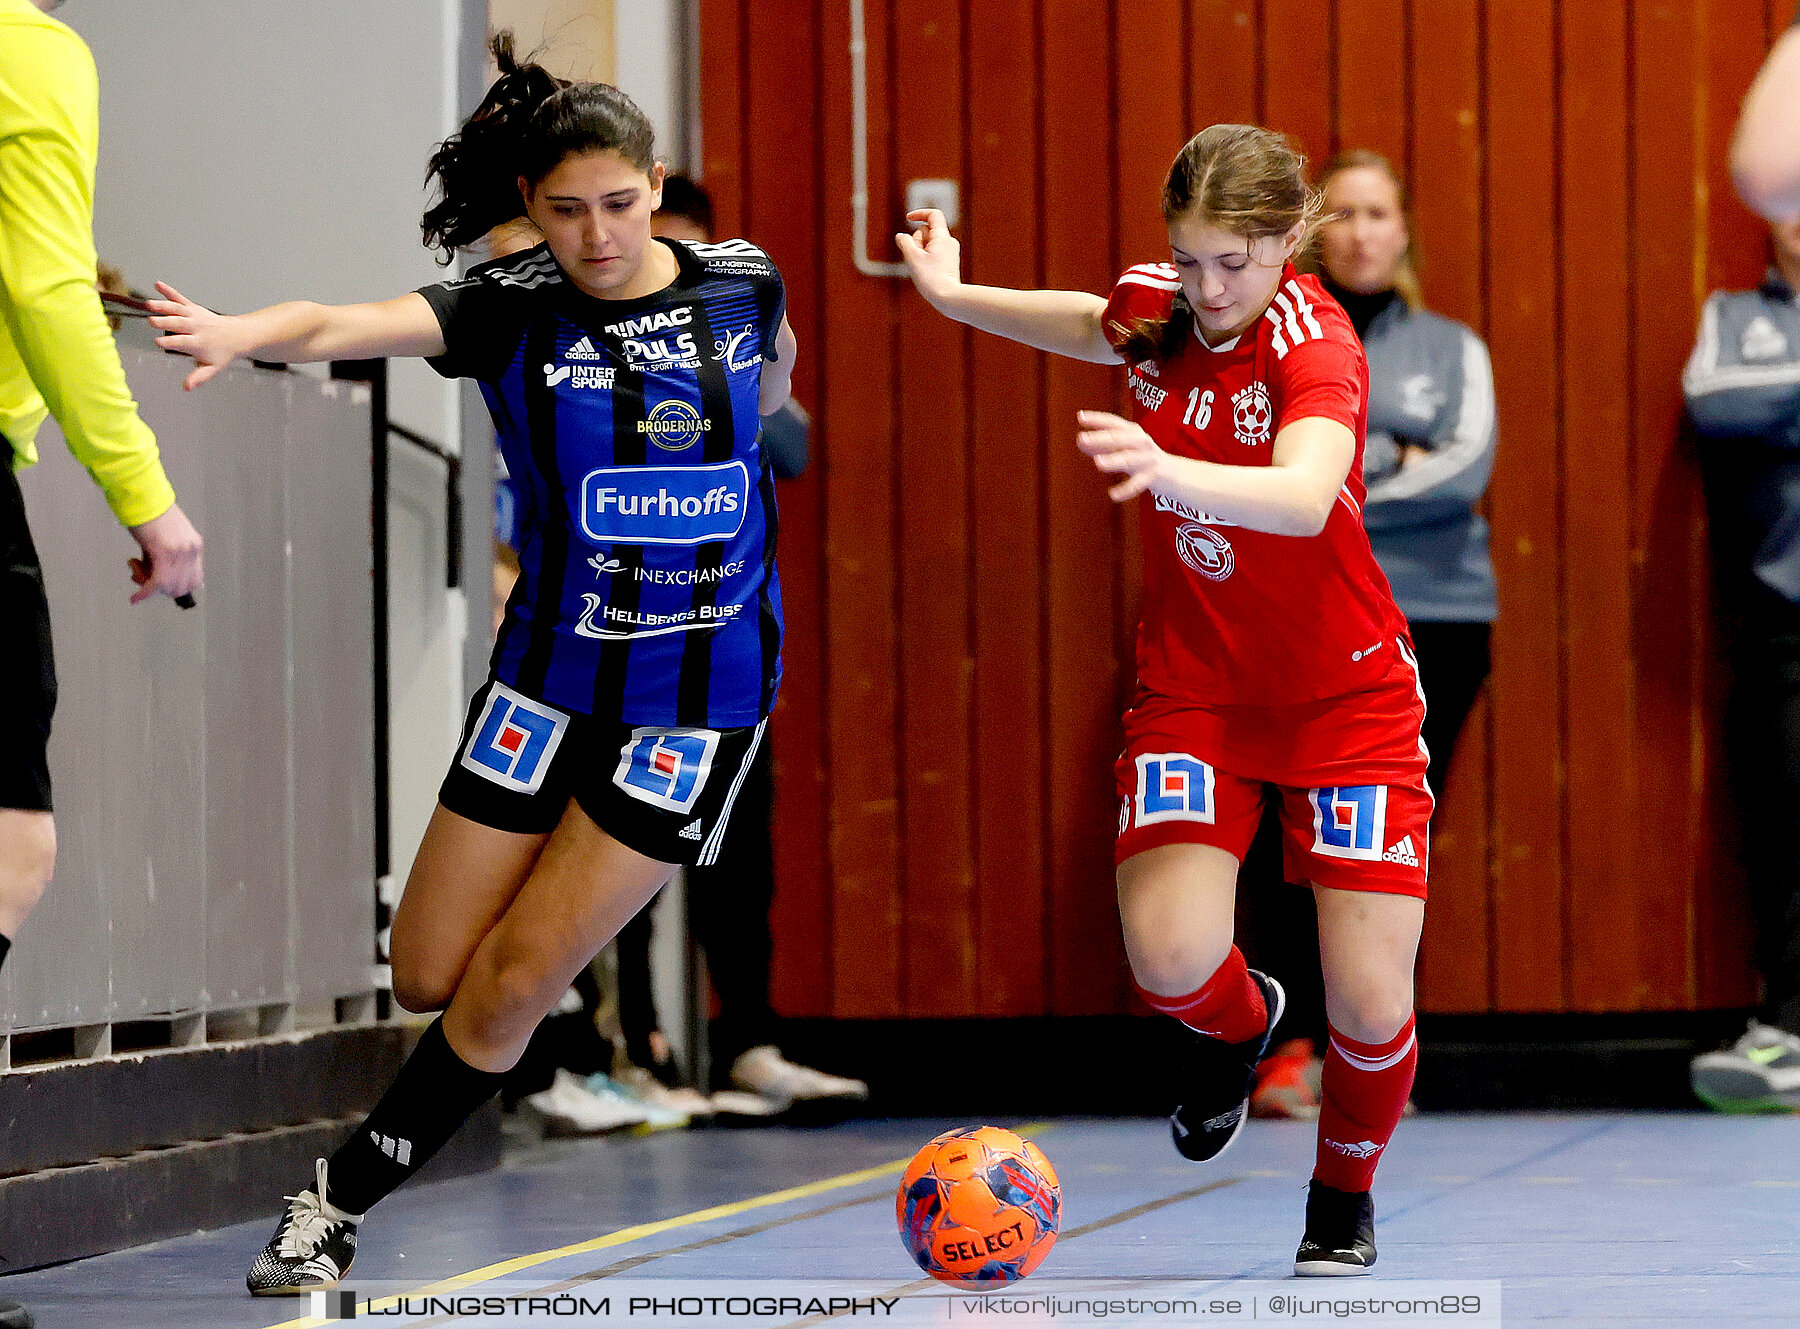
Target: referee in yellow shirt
57, 357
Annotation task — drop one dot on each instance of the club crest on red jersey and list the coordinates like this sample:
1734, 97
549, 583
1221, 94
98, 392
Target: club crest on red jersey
1205, 550
1252, 414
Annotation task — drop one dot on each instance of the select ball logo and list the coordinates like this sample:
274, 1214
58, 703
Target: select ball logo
1205, 550
979, 1208
675, 424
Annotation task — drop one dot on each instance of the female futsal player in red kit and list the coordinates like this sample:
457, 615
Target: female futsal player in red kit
1272, 662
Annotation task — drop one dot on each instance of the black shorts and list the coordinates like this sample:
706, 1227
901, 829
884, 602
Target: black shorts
27, 668
667, 793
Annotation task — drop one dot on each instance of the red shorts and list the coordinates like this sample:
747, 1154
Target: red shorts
1349, 773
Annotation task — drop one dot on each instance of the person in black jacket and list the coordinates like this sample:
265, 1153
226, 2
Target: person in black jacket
1742, 385
729, 899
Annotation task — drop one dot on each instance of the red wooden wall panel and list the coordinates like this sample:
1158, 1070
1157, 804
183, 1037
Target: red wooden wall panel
1080, 719
1372, 71
960, 591
1666, 512
859, 442
1224, 63
1298, 74
774, 183
938, 874
1526, 695
1007, 528
1594, 339
1446, 149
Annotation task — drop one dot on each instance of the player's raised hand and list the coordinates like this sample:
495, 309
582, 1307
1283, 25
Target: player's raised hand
933, 256
1120, 447
193, 330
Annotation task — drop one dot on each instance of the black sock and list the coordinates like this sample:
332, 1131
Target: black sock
435, 1092
5, 948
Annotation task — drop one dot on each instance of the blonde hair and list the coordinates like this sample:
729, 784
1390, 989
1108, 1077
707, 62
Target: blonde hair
1243, 179
1406, 274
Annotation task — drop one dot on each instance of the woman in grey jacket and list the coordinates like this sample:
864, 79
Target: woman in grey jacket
1431, 442
1430, 451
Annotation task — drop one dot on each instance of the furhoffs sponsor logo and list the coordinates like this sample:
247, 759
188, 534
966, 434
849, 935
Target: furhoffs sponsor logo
664, 505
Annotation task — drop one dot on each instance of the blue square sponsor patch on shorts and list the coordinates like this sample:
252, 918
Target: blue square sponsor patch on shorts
1350, 821
515, 739
667, 768
1173, 786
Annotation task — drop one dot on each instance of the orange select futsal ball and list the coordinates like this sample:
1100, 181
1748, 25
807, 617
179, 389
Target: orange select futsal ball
979, 1208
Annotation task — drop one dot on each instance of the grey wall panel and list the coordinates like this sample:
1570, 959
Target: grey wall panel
333, 689
154, 723
62, 958
317, 116
426, 632
174, 753
243, 438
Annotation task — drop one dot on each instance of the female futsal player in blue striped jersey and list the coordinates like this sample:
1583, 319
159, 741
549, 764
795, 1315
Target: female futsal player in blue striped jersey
641, 648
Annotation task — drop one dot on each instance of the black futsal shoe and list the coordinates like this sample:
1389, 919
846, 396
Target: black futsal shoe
1215, 1100
312, 1247
1340, 1234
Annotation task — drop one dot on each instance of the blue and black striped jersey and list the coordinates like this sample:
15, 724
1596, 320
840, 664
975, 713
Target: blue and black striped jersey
647, 591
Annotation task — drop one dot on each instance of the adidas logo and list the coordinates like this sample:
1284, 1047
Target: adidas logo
1402, 852
1362, 1149
692, 830
583, 350
1762, 340
398, 1150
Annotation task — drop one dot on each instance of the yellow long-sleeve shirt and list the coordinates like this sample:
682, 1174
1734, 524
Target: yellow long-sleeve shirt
57, 354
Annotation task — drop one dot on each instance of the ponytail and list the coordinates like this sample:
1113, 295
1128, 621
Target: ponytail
528, 123
1158, 339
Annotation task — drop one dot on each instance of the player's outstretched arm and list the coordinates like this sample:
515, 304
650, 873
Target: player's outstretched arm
1765, 152
296, 333
1293, 495
1066, 322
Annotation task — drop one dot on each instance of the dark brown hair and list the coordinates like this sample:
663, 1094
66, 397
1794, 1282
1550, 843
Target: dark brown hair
1243, 179
528, 123
685, 197
1406, 276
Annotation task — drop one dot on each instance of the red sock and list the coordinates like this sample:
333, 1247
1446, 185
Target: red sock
1227, 1006
1364, 1091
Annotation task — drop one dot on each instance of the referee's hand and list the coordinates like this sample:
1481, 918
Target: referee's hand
171, 563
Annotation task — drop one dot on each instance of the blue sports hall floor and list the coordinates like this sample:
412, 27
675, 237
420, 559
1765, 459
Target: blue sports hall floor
1612, 1219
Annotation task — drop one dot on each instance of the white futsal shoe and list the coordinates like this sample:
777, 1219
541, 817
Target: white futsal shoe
574, 1106
763, 1070
312, 1247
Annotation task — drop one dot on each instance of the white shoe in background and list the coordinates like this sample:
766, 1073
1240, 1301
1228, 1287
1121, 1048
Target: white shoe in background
736, 1103
668, 1107
570, 1107
763, 1070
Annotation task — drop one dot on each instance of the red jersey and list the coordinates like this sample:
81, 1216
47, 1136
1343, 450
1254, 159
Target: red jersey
1235, 617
